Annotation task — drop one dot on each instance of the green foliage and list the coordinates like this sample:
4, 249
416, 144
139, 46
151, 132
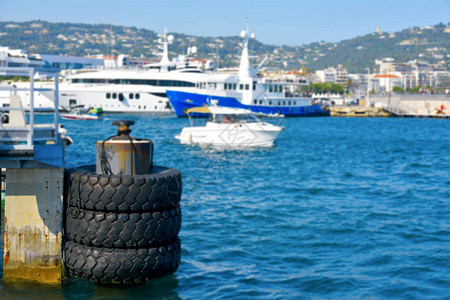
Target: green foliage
398, 90
355, 54
413, 90
326, 87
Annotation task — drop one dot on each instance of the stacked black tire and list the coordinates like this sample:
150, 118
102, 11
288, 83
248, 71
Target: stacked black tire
122, 229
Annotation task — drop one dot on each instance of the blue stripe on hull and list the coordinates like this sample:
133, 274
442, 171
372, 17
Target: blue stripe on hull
183, 100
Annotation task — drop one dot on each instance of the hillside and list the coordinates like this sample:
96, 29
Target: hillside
430, 43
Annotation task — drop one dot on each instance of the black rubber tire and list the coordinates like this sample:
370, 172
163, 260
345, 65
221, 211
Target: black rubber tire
68, 179
121, 266
122, 230
127, 193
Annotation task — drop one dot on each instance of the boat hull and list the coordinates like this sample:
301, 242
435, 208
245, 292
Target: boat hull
79, 117
184, 100
230, 136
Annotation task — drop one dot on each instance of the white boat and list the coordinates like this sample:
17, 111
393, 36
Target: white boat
248, 91
82, 113
229, 128
134, 90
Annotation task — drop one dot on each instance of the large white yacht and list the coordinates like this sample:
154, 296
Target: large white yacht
134, 90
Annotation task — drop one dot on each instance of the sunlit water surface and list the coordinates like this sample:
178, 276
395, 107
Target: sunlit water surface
338, 208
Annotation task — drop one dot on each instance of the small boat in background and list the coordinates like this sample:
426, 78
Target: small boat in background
81, 113
229, 127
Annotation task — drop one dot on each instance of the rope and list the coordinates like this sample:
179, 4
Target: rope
104, 164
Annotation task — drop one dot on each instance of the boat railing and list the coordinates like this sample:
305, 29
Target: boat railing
21, 133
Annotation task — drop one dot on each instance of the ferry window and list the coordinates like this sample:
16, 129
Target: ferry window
295, 102
255, 101
131, 96
241, 86
270, 88
234, 86
114, 95
289, 102
254, 85
137, 96
120, 97
145, 106
247, 87
280, 88
139, 107
270, 102
72, 102
284, 103
225, 87
260, 102
108, 95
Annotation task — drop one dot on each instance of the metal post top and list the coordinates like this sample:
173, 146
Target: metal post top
123, 126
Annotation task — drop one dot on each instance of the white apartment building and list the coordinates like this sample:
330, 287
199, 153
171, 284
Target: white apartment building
336, 75
17, 58
414, 73
327, 75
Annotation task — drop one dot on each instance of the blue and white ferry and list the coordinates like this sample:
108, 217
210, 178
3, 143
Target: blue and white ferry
246, 90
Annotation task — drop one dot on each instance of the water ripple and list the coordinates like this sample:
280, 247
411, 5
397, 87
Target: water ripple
339, 208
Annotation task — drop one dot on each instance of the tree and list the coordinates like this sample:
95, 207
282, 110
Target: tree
398, 90
413, 90
326, 87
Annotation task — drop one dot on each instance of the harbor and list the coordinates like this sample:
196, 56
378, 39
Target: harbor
260, 226
144, 165
366, 198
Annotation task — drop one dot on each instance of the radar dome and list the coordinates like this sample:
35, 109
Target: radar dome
243, 34
193, 49
252, 36
170, 38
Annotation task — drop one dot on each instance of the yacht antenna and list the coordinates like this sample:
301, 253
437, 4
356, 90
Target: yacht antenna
245, 68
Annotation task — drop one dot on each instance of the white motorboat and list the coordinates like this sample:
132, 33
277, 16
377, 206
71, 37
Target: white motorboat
229, 127
81, 113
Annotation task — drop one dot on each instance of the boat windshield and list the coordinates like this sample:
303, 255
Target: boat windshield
233, 118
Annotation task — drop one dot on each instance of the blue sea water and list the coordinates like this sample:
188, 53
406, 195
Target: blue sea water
338, 208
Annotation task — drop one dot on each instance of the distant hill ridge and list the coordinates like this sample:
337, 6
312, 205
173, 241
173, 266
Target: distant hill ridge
429, 43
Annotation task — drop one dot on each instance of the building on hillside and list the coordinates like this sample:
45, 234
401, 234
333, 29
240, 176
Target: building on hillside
17, 58
327, 75
113, 61
412, 74
443, 80
335, 75
20, 59
359, 87
341, 76
64, 62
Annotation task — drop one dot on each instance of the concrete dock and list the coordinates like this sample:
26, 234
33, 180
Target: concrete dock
33, 156
358, 111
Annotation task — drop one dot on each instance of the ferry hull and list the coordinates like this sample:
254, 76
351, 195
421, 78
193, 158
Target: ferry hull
184, 100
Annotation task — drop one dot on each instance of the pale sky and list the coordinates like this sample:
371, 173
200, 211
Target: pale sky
276, 22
